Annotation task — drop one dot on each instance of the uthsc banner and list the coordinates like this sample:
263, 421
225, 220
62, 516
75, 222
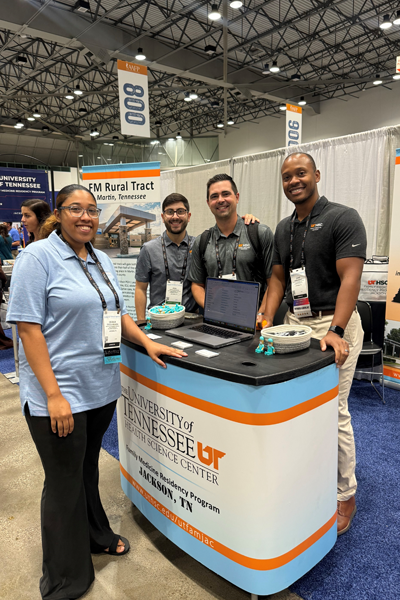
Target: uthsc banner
293, 125
391, 359
133, 99
18, 185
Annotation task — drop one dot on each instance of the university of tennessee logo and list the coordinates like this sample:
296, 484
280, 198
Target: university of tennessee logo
208, 455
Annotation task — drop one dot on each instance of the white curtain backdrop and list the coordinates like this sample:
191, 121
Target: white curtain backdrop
356, 170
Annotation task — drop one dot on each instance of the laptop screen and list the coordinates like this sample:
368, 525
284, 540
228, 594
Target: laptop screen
231, 304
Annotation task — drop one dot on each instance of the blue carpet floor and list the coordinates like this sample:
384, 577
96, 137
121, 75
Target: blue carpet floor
7, 364
364, 564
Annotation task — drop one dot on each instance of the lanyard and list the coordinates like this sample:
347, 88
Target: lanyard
89, 276
233, 257
302, 259
166, 261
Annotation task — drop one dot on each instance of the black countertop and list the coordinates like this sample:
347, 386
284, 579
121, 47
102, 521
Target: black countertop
239, 362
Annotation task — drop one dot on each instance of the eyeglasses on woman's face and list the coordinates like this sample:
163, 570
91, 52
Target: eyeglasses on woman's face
77, 211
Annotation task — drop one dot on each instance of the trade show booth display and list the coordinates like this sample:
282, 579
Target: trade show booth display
221, 454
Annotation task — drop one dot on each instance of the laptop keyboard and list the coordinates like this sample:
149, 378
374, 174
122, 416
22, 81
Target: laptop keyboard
216, 331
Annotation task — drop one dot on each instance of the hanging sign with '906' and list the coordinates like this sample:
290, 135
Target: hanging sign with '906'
133, 99
293, 125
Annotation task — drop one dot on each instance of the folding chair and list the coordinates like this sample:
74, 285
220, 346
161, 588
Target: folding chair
369, 347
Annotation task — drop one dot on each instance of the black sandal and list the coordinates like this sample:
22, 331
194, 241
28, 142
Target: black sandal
112, 550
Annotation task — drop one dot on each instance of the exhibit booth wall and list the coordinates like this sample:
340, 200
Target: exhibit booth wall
356, 170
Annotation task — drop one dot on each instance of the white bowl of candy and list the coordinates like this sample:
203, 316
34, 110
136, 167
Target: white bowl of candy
167, 316
288, 338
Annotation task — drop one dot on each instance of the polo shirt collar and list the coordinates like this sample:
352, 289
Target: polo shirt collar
168, 241
319, 206
63, 250
316, 210
236, 231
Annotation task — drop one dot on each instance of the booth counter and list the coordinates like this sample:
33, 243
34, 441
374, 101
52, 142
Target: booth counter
234, 458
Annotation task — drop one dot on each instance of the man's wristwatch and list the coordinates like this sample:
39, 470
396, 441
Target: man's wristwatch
338, 330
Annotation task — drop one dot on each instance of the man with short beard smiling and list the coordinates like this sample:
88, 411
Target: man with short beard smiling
167, 257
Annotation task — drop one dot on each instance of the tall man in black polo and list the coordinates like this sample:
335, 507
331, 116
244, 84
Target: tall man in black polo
166, 258
324, 245
229, 253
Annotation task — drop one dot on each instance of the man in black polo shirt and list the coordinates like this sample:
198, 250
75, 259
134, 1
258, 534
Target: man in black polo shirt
319, 252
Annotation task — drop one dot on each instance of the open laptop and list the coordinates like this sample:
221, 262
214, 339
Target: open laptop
230, 312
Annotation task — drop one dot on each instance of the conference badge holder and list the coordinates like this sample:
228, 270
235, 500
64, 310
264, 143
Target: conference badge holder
301, 303
112, 336
174, 292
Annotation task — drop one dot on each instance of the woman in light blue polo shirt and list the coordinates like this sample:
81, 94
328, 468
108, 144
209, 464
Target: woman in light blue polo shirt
69, 383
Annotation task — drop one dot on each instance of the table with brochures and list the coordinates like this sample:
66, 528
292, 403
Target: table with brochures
234, 457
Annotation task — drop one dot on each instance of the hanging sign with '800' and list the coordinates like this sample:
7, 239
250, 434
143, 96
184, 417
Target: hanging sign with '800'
133, 99
293, 125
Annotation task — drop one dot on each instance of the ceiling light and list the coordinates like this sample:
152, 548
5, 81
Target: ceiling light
193, 95
154, 142
158, 123
45, 128
36, 114
160, 153
80, 155
220, 125
396, 76
397, 19
210, 49
230, 121
296, 77
111, 144
266, 70
82, 6
275, 68
22, 60
378, 80
69, 95
178, 136
386, 23
115, 137
94, 133
31, 118
302, 102
18, 125
214, 103
140, 55
171, 139
78, 91
282, 107
82, 110
236, 4
214, 15
187, 98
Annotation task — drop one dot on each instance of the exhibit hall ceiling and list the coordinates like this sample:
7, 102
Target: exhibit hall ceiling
203, 73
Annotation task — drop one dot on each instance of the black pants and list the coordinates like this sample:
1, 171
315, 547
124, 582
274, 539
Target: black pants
73, 520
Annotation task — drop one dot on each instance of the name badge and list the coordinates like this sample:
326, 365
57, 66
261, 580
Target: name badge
231, 276
301, 303
112, 336
174, 292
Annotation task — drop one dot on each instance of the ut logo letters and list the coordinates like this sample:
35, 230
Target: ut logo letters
208, 455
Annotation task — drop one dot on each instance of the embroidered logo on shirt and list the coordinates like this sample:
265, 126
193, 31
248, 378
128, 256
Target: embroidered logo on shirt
316, 226
244, 246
